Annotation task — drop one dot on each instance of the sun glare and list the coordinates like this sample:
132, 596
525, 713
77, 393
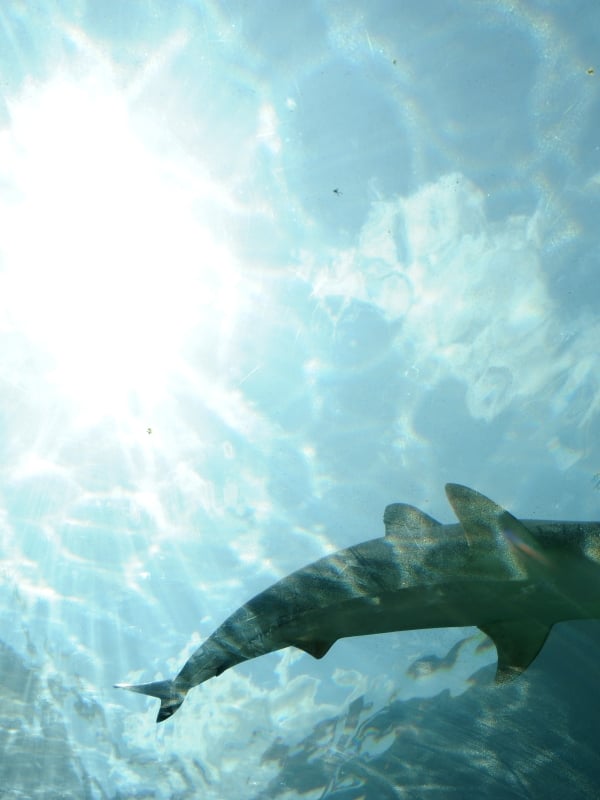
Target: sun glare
105, 263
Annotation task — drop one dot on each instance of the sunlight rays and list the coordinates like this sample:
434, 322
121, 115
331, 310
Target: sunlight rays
107, 267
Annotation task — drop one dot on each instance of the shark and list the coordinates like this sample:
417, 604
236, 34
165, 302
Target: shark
513, 579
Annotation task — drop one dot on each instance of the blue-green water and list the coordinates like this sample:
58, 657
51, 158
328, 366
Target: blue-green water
266, 267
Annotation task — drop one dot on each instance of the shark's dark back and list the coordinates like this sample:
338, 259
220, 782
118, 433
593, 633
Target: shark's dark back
582, 538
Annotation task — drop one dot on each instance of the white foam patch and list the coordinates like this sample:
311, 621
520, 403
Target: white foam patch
471, 294
223, 719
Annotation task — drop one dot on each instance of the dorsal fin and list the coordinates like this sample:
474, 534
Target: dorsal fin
483, 519
478, 515
401, 519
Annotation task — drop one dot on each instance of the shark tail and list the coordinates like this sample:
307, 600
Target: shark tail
169, 695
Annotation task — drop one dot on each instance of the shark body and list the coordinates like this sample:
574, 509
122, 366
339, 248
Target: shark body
512, 579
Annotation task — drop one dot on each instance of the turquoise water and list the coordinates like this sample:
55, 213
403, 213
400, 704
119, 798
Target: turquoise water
265, 268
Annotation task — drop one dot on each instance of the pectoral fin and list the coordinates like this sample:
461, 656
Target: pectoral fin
517, 643
314, 649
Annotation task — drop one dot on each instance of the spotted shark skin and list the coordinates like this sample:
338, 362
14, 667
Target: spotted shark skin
512, 579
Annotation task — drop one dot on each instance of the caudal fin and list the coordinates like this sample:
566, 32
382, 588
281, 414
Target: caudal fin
170, 697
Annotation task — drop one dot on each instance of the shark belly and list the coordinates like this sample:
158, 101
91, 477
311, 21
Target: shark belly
476, 603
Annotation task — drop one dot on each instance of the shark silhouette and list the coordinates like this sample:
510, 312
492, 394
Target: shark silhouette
512, 579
